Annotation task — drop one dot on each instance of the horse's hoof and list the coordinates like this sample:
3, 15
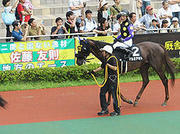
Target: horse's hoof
130, 102
135, 103
164, 104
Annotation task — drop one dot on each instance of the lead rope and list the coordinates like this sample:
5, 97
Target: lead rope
106, 77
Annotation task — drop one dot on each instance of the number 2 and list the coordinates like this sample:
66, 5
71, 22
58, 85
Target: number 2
135, 51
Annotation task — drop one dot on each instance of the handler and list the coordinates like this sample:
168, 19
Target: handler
110, 84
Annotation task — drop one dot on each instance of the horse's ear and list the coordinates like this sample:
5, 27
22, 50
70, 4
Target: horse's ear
79, 39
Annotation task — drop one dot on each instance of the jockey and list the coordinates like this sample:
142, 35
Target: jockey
124, 40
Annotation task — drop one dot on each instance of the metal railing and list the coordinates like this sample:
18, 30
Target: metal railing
142, 31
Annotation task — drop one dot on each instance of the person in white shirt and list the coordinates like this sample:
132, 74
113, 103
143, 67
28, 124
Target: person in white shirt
165, 12
175, 24
116, 26
89, 24
75, 6
175, 8
147, 18
8, 10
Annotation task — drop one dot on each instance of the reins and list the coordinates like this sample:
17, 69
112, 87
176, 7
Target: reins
106, 77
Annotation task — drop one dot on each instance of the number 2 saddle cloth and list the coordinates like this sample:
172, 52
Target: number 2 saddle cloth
123, 56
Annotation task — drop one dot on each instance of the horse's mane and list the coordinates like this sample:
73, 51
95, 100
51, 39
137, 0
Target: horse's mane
100, 44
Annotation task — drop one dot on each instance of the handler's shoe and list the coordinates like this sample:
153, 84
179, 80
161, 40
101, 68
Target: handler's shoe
114, 114
103, 112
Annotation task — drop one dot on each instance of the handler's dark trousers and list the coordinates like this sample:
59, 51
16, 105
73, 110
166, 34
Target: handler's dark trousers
109, 86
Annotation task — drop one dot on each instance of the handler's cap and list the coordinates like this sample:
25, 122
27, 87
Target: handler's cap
175, 19
149, 8
107, 48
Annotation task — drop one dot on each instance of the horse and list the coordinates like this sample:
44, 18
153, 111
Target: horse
2, 102
153, 55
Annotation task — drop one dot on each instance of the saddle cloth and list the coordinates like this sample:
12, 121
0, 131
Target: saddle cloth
121, 54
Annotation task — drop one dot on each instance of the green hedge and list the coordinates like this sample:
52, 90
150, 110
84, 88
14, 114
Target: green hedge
70, 73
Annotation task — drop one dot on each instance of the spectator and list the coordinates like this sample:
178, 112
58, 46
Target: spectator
104, 28
89, 24
147, 18
139, 6
8, 11
164, 27
28, 7
136, 25
154, 26
83, 9
145, 3
175, 24
102, 12
21, 12
165, 13
58, 29
35, 29
76, 6
70, 24
175, 8
117, 25
17, 34
114, 11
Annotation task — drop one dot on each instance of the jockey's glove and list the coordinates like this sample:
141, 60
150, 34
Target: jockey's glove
120, 40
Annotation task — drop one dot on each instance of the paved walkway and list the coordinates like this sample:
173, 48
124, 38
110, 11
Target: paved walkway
154, 123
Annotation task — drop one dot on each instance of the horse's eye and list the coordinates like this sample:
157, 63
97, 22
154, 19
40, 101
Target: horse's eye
79, 48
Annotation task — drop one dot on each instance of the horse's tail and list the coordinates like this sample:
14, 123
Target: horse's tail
2, 102
169, 66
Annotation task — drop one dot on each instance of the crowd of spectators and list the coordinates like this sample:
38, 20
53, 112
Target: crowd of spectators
80, 20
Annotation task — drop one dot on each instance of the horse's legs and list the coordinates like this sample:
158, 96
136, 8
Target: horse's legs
122, 97
145, 77
2, 102
126, 100
164, 80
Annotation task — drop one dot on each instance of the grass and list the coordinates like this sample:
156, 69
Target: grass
11, 86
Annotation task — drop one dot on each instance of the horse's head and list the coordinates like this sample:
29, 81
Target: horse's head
83, 51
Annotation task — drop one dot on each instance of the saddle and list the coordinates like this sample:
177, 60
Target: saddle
132, 53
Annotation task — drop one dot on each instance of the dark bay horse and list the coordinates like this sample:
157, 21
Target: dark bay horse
154, 55
2, 102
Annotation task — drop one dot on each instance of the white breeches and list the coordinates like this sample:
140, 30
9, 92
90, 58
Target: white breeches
125, 44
